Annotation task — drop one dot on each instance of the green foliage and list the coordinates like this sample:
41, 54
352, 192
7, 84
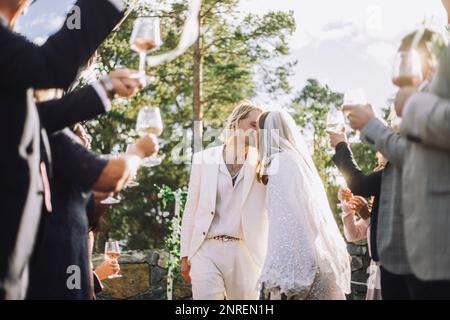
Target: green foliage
239, 51
173, 239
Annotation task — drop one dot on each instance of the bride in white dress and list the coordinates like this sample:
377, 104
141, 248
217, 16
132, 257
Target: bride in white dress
306, 256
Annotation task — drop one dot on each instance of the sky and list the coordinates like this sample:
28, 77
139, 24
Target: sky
347, 44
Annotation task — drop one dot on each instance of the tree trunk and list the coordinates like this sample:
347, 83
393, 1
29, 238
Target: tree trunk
197, 110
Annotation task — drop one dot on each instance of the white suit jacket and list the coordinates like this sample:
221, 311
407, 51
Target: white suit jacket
201, 204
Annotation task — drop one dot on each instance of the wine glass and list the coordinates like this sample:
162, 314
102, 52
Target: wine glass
335, 121
353, 97
407, 69
112, 252
132, 183
149, 122
146, 37
110, 199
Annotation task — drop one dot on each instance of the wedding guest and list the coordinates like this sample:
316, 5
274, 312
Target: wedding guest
360, 184
356, 231
77, 172
25, 162
397, 276
106, 268
426, 181
96, 211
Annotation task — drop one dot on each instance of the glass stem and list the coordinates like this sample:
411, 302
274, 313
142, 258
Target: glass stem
142, 56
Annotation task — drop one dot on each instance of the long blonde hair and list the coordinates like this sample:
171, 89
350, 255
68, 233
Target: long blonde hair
240, 112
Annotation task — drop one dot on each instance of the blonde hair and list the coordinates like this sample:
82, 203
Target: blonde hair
240, 112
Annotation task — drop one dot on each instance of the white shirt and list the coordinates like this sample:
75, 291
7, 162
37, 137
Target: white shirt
227, 218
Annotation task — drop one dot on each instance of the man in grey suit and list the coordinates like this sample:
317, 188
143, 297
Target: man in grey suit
414, 218
392, 242
426, 180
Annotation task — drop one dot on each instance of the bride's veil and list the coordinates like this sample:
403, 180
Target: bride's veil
281, 134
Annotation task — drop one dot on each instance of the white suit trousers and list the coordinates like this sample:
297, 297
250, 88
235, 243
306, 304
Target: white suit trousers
222, 270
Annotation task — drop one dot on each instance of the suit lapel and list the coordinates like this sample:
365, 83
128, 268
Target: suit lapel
213, 161
249, 173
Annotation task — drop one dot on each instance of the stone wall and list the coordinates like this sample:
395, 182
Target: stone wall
144, 276
360, 265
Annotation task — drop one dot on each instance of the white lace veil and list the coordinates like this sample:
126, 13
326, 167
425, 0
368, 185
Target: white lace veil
281, 134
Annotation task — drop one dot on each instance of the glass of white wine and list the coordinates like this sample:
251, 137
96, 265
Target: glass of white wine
335, 121
149, 122
146, 37
353, 97
132, 183
407, 69
110, 199
112, 252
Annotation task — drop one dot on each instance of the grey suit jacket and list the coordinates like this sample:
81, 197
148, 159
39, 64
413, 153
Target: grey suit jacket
426, 181
390, 228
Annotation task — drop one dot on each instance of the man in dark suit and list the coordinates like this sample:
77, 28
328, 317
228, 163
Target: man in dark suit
23, 183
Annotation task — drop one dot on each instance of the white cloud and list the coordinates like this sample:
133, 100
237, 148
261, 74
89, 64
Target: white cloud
351, 43
40, 40
49, 22
381, 53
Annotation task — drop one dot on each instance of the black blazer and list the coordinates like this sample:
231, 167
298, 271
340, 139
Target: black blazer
25, 65
64, 235
361, 184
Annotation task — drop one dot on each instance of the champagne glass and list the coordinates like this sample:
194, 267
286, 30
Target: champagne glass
335, 121
110, 199
149, 122
146, 37
407, 69
354, 97
112, 252
133, 183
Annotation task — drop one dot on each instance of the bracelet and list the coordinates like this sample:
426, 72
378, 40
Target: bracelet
107, 84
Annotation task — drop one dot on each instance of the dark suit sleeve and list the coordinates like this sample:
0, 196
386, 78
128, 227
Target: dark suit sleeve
358, 182
98, 285
73, 163
56, 63
80, 105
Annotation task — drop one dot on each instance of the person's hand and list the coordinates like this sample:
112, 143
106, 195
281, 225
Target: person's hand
126, 82
446, 4
347, 208
107, 268
185, 269
100, 196
358, 115
402, 96
336, 138
344, 194
361, 206
145, 146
